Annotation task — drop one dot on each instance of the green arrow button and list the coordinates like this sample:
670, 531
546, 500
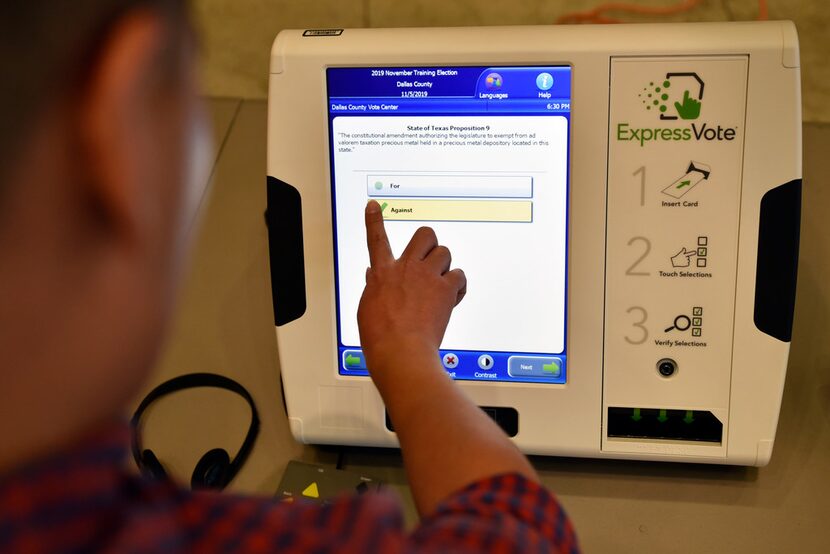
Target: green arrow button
636, 416
552, 367
352, 360
663, 417
690, 417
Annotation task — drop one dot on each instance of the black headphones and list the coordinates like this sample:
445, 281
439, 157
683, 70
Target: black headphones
215, 469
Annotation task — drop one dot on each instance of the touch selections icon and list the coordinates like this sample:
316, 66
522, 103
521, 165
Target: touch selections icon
699, 253
683, 91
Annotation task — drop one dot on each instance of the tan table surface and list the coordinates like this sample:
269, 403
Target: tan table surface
224, 324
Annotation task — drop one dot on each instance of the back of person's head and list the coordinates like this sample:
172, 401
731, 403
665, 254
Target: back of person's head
48, 46
98, 118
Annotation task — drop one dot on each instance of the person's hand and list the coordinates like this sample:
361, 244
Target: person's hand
403, 316
407, 303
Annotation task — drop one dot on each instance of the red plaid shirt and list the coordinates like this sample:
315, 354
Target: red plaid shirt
83, 501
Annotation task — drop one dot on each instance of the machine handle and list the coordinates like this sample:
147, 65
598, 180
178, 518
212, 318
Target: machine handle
777, 269
284, 219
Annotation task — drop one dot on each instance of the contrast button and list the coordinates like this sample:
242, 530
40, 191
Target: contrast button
485, 361
534, 366
353, 360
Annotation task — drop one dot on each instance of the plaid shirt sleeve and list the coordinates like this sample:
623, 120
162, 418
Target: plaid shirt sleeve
507, 513
84, 502
502, 514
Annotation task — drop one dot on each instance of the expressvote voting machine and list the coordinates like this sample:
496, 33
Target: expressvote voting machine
625, 202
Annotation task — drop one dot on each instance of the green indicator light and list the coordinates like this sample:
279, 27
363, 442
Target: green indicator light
378, 185
689, 417
663, 417
636, 416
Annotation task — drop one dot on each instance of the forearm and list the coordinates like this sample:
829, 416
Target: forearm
447, 441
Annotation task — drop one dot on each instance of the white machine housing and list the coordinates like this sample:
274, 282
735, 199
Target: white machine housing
623, 291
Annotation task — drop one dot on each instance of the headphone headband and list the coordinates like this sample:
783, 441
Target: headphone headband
192, 381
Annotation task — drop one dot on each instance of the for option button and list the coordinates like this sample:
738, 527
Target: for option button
534, 366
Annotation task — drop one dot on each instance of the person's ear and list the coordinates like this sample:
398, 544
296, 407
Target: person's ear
118, 138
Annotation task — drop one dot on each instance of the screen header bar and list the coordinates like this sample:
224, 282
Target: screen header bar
412, 106
481, 83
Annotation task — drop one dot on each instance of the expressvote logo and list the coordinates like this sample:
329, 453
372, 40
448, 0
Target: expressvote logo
677, 97
660, 96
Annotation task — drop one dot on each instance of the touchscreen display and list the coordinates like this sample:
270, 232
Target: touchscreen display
480, 154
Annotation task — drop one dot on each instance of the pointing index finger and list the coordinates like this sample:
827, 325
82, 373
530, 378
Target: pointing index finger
380, 252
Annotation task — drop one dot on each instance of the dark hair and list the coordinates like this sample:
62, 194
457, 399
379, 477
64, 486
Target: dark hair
46, 47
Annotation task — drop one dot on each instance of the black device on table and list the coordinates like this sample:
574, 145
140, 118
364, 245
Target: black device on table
215, 469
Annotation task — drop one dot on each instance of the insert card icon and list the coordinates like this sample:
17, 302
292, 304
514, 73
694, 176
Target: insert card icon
695, 174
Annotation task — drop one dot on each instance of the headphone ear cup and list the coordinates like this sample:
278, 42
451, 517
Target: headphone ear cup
212, 471
151, 466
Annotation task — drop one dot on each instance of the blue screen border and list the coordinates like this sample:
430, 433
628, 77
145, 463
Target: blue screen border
468, 360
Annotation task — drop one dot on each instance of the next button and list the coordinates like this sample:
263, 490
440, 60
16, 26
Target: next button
534, 366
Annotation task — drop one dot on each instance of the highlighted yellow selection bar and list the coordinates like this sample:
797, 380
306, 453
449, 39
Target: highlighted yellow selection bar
497, 211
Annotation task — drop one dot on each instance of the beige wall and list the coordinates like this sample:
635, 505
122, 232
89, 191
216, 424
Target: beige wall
237, 34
